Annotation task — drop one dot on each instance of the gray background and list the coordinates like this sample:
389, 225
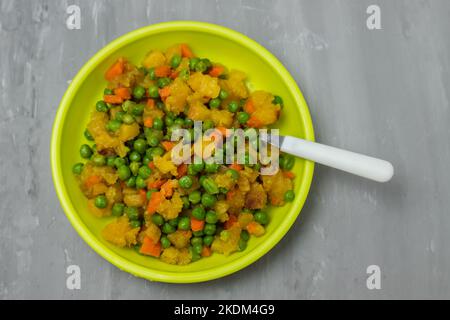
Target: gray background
383, 92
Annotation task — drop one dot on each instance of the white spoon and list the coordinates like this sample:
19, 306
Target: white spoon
351, 162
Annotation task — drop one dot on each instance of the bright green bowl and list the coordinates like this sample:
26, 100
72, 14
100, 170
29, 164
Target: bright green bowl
207, 40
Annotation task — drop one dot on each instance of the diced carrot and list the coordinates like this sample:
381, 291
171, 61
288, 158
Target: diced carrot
148, 122
156, 184
164, 92
115, 70
230, 195
124, 93
197, 225
249, 107
174, 74
254, 122
167, 188
232, 219
222, 130
206, 251
236, 166
182, 170
289, 174
186, 51
155, 199
143, 194
150, 248
90, 181
162, 71
168, 145
216, 71
113, 99
151, 103
255, 228
151, 165
275, 200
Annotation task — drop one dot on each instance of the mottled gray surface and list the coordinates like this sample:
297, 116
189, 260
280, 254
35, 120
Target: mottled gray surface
383, 92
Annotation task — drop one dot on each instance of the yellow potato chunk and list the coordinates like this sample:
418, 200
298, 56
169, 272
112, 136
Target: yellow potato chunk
179, 91
265, 111
276, 186
180, 238
173, 255
229, 245
235, 85
154, 59
221, 118
170, 208
164, 164
256, 198
205, 85
120, 233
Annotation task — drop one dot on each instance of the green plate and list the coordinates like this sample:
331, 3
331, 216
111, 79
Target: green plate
219, 44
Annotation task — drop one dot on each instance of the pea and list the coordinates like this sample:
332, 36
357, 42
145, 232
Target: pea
140, 145
195, 197
210, 229
124, 172
197, 233
261, 217
245, 235
140, 182
157, 219
128, 118
119, 162
119, 116
196, 240
214, 103
233, 174
184, 74
131, 182
186, 203
153, 140
99, 160
287, 161
137, 110
202, 178
144, 172
135, 224
185, 182
242, 244
88, 135
134, 156
85, 151
277, 100
117, 209
197, 248
175, 61
184, 223
179, 122
188, 123
101, 202
167, 228
208, 240
113, 125
153, 92
162, 82
108, 92
101, 106
198, 213
132, 213
158, 124
197, 167
193, 63
77, 168
134, 167
289, 196
165, 242
149, 193
201, 66
243, 117
208, 124
223, 94
211, 217
233, 106
195, 256
151, 74
211, 167
223, 190
138, 92
208, 200
158, 151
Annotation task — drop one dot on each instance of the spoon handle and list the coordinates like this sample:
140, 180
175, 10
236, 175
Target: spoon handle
355, 163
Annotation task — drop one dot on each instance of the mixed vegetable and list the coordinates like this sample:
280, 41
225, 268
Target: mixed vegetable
177, 213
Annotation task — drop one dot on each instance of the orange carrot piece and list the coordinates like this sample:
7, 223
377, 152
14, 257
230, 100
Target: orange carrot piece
174, 74
156, 184
186, 52
230, 195
167, 188
90, 181
236, 166
148, 122
222, 130
113, 99
254, 122
115, 70
151, 165
232, 219
197, 225
162, 71
249, 107
289, 174
124, 93
155, 199
143, 194
164, 92
182, 170
206, 251
168, 145
151, 103
216, 71
150, 248
252, 227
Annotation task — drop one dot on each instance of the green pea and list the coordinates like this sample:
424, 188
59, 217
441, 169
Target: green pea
77, 168
175, 61
214, 103
198, 213
119, 162
137, 110
184, 74
98, 160
197, 248
289, 196
144, 172
134, 167
85, 151
196, 240
157, 151
193, 63
158, 124
208, 240
163, 82
210, 229
197, 233
153, 140
110, 161
101, 106
138, 92
153, 92
233, 173
134, 156
188, 123
194, 255
119, 116
113, 125
132, 213
242, 244
140, 145
197, 167
146, 159
202, 178
131, 182
143, 70
186, 203
101, 202
201, 66
184, 223
179, 122
165, 242
195, 197
211, 217
211, 167
149, 193
245, 235
287, 161
223, 190
128, 118
223, 94
124, 172
88, 135
168, 121
208, 124
135, 224
243, 117
157, 219
208, 200
185, 182
167, 228
117, 209
140, 182
151, 74
233, 106
261, 217
108, 92
174, 222
277, 100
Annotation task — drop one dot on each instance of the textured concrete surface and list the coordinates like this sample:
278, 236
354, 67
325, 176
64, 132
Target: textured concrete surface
383, 92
